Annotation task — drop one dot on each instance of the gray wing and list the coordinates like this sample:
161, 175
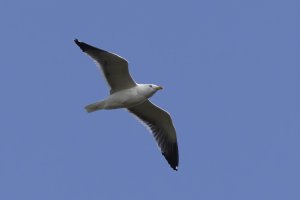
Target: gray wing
160, 124
114, 67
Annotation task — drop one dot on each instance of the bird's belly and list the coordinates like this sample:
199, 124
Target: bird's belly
124, 99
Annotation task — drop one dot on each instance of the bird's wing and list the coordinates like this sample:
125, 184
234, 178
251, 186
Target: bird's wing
160, 124
114, 67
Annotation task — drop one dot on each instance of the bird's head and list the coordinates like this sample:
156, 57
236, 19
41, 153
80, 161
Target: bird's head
150, 89
154, 87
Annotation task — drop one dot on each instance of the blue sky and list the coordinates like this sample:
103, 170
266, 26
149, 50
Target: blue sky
231, 76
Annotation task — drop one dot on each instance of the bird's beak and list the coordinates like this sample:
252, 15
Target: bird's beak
159, 88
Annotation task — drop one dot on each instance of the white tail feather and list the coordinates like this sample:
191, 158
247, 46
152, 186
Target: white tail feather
95, 106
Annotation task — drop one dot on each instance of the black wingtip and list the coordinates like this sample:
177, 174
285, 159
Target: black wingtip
76, 41
172, 157
85, 47
172, 162
81, 45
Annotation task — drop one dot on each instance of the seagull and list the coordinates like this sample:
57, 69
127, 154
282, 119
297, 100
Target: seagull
126, 93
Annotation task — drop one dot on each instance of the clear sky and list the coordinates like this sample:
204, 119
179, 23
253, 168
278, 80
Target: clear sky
231, 77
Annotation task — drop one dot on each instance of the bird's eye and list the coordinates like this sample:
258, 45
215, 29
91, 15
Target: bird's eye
150, 86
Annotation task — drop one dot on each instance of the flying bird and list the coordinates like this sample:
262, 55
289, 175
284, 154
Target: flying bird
126, 93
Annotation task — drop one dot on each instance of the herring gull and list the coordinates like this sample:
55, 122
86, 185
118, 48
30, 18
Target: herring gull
126, 93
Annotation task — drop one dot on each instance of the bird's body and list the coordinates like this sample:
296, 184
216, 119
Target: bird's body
126, 93
126, 98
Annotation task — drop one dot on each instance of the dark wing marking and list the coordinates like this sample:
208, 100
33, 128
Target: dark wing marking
114, 67
160, 124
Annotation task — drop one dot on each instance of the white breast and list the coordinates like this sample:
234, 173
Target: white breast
125, 98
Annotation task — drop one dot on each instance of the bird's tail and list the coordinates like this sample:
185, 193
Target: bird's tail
95, 106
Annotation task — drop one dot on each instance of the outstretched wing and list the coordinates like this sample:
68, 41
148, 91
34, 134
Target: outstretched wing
114, 67
160, 124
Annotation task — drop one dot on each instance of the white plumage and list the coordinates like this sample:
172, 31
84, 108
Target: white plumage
126, 93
